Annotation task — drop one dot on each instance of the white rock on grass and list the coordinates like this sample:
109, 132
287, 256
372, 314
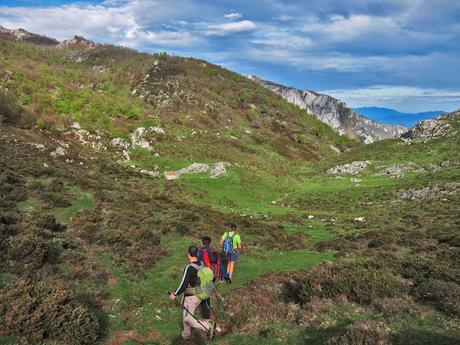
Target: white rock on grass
119, 142
219, 169
149, 172
138, 140
158, 130
194, 168
310, 216
353, 168
59, 152
359, 220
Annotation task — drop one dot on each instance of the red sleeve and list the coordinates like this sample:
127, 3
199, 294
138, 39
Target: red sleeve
206, 259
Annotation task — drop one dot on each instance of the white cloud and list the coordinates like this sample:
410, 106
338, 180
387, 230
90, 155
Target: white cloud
404, 98
233, 15
228, 28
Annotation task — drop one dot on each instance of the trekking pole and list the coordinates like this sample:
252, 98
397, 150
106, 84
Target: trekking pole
218, 294
201, 324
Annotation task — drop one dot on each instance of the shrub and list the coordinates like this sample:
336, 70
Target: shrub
37, 311
352, 280
363, 332
48, 221
444, 295
10, 110
27, 250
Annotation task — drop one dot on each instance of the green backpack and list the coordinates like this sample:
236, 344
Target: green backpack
204, 282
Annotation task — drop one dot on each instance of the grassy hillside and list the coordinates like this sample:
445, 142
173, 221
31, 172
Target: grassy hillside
90, 243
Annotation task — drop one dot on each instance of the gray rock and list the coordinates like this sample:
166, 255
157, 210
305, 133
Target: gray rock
219, 169
59, 152
194, 168
427, 130
394, 171
353, 168
430, 192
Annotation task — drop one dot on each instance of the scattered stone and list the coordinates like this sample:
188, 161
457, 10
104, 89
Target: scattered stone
356, 180
138, 140
158, 130
353, 168
335, 149
394, 171
75, 125
339, 178
359, 220
310, 216
119, 142
149, 172
59, 152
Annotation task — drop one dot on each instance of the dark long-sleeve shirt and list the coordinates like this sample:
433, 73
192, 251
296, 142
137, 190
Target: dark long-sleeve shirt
188, 278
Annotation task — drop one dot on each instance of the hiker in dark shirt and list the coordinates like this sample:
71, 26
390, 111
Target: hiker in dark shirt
191, 302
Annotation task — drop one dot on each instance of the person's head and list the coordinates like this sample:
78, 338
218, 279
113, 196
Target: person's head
192, 252
233, 227
206, 241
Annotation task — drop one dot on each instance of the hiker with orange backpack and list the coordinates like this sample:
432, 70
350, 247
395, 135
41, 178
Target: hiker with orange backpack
231, 245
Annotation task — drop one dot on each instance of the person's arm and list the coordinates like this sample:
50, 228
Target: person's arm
185, 281
224, 236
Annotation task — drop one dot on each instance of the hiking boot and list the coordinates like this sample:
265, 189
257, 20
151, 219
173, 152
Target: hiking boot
211, 330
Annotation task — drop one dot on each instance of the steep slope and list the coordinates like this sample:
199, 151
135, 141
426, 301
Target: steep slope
392, 116
335, 113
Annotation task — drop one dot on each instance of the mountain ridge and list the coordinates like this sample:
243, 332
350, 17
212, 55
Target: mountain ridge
335, 113
391, 116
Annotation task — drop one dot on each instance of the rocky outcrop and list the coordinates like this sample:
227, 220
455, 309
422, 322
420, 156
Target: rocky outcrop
78, 42
353, 168
26, 36
428, 130
215, 170
335, 113
430, 192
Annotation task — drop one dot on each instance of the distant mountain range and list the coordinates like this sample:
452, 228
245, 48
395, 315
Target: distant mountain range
392, 116
335, 113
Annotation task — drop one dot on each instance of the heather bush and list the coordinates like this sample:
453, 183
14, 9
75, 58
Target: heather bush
352, 280
444, 295
40, 311
363, 332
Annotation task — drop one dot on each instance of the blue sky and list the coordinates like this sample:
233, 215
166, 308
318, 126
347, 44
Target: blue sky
401, 54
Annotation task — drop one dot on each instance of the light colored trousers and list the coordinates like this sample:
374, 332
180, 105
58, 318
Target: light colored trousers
191, 303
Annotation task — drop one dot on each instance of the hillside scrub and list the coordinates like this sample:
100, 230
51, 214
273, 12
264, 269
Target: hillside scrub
352, 281
38, 311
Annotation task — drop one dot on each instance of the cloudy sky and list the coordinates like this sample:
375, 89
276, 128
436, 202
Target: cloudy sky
402, 54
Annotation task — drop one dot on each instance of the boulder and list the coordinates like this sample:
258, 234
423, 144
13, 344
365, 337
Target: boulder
194, 168
353, 168
218, 169
59, 152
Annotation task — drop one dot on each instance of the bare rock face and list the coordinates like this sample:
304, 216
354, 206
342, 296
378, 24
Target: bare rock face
26, 36
335, 113
78, 41
427, 130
